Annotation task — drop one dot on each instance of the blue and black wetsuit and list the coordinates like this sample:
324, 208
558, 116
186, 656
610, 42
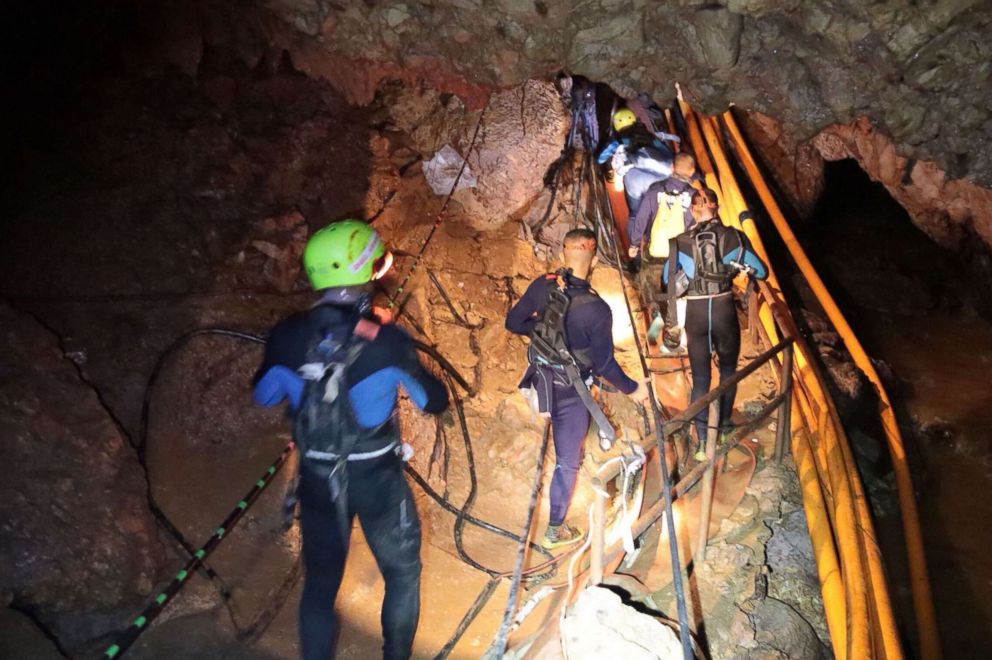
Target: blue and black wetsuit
377, 490
711, 318
589, 327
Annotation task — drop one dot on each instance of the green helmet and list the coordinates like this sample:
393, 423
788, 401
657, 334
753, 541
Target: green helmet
344, 253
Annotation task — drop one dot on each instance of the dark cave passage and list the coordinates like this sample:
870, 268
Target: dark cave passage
168, 161
918, 309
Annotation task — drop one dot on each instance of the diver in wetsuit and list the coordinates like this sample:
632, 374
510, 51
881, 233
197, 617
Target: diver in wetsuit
709, 256
339, 369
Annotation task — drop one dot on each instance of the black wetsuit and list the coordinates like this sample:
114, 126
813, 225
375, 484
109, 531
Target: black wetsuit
377, 491
589, 327
711, 319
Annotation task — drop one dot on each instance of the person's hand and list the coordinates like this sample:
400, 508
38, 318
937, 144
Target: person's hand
633, 251
672, 338
640, 395
384, 314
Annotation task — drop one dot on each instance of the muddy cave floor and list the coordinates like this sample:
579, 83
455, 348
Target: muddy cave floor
216, 248
257, 560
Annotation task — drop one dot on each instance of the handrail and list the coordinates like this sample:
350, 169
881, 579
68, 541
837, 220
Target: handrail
849, 613
687, 415
922, 597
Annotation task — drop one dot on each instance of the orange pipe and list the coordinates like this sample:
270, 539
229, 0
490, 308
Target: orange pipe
929, 637
883, 620
847, 610
859, 549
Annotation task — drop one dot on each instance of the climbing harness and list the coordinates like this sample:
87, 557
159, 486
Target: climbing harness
549, 348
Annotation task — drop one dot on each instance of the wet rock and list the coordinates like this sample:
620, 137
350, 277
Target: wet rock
773, 629
284, 239
719, 33
80, 548
796, 166
599, 625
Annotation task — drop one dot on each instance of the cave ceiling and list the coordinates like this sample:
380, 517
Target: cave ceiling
920, 71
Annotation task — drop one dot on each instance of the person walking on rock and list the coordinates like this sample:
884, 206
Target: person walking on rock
339, 369
664, 214
570, 328
705, 261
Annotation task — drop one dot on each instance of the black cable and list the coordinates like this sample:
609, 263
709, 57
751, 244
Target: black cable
684, 634
499, 643
470, 614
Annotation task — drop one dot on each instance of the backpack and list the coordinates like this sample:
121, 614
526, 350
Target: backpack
325, 428
549, 339
709, 246
549, 345
669, 222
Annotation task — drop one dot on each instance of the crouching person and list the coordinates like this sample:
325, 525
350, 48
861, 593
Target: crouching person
339, 369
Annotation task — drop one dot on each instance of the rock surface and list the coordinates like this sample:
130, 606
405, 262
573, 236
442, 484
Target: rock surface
809, 63
80, 550
600, 625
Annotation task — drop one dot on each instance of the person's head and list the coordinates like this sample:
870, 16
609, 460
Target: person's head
345, 255
623, 119
579, 251
704, 205
684, 166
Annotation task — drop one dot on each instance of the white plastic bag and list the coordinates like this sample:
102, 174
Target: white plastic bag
442, 170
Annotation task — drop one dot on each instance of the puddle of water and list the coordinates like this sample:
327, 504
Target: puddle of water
947, 361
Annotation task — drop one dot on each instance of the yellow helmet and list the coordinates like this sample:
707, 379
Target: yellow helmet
622, 119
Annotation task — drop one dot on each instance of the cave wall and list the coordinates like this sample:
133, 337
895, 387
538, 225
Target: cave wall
917, 75
71, 482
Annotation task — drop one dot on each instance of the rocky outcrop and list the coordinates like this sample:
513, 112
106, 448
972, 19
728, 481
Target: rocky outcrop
808, 63
920, 71
520, 134
80, 549
950, 210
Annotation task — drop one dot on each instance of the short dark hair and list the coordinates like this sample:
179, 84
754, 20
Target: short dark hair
709, 195
580, 234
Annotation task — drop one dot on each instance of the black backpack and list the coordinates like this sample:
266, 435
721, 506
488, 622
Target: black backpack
325, 428
549, 339
710, 243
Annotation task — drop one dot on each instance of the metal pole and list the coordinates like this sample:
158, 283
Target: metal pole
707, 502
597, 533
784, 430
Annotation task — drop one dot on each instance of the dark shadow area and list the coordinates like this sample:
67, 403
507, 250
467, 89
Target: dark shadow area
143, 197
913, 305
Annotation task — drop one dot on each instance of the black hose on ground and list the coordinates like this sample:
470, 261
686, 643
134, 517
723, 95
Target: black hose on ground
499, 644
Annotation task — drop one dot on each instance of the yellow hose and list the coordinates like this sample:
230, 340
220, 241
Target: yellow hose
846, 598
929, 637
